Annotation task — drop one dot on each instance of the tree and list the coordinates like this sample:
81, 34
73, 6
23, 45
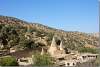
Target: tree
3, 38
25, 43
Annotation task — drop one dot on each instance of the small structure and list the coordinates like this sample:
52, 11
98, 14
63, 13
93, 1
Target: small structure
24, 57
73, 60
25, 61
12, 50
87, 57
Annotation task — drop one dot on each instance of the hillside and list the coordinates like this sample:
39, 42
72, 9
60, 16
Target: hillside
95, 34
18, 33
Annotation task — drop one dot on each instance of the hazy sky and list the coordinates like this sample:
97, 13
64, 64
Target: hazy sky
69, 15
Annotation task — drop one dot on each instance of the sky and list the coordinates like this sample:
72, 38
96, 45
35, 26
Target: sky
68, 15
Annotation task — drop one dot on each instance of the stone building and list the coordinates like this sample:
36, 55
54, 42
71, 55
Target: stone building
55, 49
68, 59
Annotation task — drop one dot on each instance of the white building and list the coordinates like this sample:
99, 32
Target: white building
25, 61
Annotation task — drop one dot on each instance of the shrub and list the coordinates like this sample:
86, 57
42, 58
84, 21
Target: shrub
42, 60
24, 43
8, 61
89, 50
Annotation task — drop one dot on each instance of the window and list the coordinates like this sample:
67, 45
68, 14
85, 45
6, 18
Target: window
61, 58
96, 56
23, 60
84, 57
68, 64
73, 64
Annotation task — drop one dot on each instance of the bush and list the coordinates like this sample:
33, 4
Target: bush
89, 50
8, 61
26, 43
42, 60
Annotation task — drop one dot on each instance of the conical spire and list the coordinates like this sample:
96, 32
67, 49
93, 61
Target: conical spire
53, 47
61, 46
53, 44
42, 52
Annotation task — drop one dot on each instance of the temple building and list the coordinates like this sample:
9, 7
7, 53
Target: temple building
68, 59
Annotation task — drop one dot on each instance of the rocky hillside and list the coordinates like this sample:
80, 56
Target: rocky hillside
19, 33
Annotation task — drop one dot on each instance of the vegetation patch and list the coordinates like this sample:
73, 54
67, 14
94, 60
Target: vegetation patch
88, 50
8, 61
42, 60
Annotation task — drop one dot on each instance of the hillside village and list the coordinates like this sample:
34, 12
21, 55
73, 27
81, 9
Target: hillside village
22, 40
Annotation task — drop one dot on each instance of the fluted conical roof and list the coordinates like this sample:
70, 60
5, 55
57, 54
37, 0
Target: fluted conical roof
61, 45
53, 44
